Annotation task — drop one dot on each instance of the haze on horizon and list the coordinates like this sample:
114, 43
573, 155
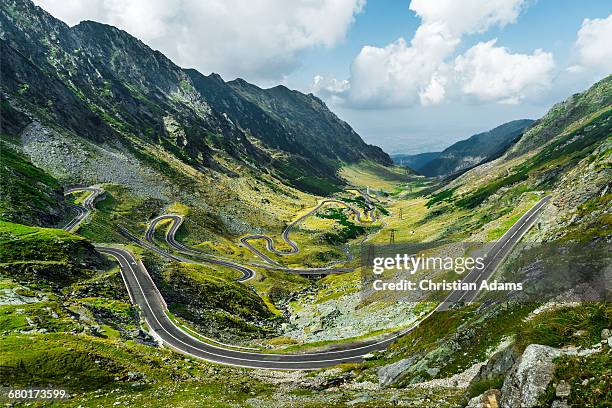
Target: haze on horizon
410, 76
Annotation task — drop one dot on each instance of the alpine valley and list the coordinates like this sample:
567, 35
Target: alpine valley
168, 238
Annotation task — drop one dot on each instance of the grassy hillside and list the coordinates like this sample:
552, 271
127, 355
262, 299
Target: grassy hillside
211, 298
46, 255
475, 150
28, 195
573, 166
573, 111
544, 169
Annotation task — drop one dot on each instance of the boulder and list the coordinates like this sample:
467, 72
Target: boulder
563, 389
389, 373
530, 376
489, 399
498, 365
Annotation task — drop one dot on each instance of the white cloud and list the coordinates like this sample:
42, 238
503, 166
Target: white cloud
467, 16
491, 73
593, 45
403, 74
257, 39
330, 85
393, 75
435, 92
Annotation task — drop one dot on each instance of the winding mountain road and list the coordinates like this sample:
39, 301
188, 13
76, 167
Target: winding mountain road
245, 241
82, 211
145, 294
247, 273
176, 221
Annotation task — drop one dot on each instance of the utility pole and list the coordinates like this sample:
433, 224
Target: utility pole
370, 256
401, 215
392, 236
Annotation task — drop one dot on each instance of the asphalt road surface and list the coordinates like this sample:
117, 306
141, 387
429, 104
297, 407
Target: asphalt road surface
495, 255
177, 220
82, 211
247, 273
371, 217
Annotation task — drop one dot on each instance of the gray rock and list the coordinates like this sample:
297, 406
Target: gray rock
360, 400
475, 402
433, 371
391, 372
369, 356
559, 404
135, 375
605, 334
563, 389
489, 399
530, 376
499, 364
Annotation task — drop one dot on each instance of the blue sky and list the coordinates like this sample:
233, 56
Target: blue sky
410, 76
548, 24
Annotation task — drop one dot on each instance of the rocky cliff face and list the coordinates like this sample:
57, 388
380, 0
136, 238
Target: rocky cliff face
101, 83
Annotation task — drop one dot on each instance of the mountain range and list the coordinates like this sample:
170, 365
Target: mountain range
101, 83
477, 149
233, 166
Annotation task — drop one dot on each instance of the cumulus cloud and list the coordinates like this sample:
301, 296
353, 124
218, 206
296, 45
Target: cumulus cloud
404, 73
434, 92
329, 86
492, 73
422, 71
593, 45
257, 39
466, 16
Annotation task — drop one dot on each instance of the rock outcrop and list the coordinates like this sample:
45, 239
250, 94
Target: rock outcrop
531, 375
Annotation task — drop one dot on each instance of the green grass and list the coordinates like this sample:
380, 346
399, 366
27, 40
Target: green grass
443, 196
214, 290
23, 243
598, 228
48, 315
191, 331
506, 224
214, 303
426, 336
557, 328
479, 387
57, 359
453, 340
120, 309
93, 367
348, 230
51, 255
118, 206
563, 153
475, 335
27, 194
595, 369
